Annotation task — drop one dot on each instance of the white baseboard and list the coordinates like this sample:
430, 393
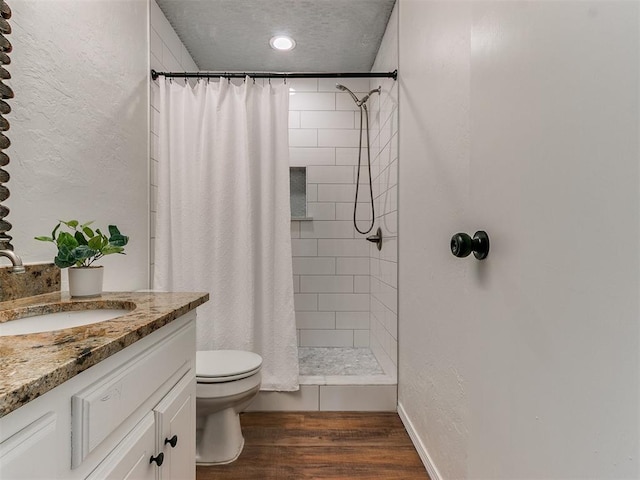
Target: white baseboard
421, 449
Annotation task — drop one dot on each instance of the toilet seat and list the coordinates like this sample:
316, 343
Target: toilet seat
218, 366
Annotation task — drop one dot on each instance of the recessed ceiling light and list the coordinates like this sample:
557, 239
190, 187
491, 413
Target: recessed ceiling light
282, 42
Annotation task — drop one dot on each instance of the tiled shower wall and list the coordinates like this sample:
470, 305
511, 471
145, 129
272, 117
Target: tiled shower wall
330, 259
384, 263
168, 54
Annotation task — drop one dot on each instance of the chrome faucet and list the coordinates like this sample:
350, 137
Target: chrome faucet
15, 260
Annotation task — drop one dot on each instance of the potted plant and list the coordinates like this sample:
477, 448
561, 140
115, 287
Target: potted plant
78, 248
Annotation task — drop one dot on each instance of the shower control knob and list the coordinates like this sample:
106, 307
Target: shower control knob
462, 245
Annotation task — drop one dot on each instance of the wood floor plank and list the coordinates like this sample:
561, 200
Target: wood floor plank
322, 445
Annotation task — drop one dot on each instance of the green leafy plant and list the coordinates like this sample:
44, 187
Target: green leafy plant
81, 246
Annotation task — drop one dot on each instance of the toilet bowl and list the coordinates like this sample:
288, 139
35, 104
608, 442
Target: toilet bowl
227, 382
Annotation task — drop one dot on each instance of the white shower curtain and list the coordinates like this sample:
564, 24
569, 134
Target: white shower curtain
223, 219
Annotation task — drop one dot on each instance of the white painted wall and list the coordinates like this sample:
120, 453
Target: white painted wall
79, 126
521, 118
384, 263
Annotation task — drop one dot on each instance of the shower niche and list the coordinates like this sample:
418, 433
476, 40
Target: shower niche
298, 193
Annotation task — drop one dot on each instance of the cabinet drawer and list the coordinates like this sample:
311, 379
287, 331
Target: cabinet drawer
99, 409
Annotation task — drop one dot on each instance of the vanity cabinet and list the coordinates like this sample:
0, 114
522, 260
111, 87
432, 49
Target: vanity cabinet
130, 416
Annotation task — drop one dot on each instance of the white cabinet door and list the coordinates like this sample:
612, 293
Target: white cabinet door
131, 459
175, 422
30, 453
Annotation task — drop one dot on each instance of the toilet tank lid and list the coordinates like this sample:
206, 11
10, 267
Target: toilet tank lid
226, 363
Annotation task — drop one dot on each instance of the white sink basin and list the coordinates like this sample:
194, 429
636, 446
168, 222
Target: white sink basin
57, 321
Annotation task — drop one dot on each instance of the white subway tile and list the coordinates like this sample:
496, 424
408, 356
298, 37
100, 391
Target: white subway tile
389, 273
353, 84
361, 338
372, 398
352, 266
343, 248
312, 101
321, 211
332, 119
314, 265
302, 137
344, 101
305, 156
331, 137
155, 43
326, 338
295, 229
326, 284
389, 224
336, 193
305, 399
344, 210
343, 302
312, 192
169, 59
302, 85
294, 119
326, 229
155, 147
305, 302
330, 174
316, 320
156, 64
352, 320
304, 247
361, 284
349, 155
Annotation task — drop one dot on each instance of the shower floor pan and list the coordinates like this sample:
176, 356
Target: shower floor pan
336, 379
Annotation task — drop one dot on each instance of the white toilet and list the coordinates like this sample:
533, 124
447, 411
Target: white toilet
227, 382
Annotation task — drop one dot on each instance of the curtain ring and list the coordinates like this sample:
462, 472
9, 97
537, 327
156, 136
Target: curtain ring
228, 80
269, 80
285, 80
254, 80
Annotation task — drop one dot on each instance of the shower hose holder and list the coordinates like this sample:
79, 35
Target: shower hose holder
377, 238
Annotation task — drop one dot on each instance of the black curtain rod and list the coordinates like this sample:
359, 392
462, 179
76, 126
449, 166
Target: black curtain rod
393, 74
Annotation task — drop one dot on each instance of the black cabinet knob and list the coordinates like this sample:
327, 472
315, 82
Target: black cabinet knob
158, 459
462, 245
173, 441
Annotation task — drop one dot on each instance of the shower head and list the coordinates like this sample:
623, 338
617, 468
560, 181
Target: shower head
353, 95
366, 97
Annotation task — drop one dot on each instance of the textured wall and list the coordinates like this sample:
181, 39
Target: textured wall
79, 126
521, 118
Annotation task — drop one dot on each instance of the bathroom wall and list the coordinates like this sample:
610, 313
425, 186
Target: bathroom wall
383, 264
522, 119
168, 54
78, 126
330, 260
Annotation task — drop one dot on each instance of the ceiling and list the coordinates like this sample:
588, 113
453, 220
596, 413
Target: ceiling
233, 35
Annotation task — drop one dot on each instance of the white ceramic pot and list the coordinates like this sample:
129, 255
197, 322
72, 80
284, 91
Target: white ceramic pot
85, 281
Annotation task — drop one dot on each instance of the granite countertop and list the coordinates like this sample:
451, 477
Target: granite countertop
33, 364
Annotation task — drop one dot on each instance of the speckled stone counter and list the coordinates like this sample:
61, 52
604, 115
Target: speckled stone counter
33, 364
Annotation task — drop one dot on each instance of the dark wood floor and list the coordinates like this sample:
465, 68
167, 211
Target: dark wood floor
321, 445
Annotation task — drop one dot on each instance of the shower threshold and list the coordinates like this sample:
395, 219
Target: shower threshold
336, 379
341, 366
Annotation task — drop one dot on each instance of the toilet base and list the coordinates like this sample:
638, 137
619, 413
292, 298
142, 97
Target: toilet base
221, 439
